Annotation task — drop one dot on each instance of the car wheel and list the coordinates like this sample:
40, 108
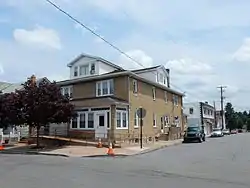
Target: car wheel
200, 140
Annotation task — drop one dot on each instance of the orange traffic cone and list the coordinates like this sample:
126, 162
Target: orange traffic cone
99, 144
110, 150
1, 146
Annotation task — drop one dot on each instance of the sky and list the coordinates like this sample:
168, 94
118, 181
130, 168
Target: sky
204, 43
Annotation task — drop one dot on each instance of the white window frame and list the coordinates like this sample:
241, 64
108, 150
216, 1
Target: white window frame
135, 86
76, 70
154, 120
121, 120
101, 85
166, 121
166, 96
86, 121
86, 67
136, 119
154, 93
175, 100
70, 89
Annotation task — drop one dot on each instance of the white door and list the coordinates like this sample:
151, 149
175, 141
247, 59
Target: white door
101, 126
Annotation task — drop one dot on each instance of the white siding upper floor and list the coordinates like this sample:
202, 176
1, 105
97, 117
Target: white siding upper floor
85, 66
158, 75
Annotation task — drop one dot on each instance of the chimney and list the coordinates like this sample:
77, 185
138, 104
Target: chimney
33, 80
168, 78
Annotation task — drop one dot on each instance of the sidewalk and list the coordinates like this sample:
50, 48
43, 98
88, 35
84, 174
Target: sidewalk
90, 151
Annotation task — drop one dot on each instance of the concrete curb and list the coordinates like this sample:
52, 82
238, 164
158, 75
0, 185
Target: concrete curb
32, 153
157, 148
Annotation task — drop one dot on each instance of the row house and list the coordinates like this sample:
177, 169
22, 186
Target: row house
202, 114
107, 97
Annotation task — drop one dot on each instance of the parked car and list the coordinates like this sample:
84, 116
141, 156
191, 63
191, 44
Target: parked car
194, 133
240, 131
217, 132
234, 131
226, 132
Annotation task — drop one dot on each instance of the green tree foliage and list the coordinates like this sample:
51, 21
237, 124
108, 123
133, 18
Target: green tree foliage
236, 120
37, 104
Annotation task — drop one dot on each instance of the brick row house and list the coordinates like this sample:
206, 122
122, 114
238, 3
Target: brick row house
107, 97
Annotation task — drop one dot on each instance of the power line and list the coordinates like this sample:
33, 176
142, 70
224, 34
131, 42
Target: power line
99, 36
222, 100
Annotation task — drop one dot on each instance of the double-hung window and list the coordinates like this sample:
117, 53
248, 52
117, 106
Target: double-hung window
84, 120
105, 87
67, 91
135, 86
136, 119
121, 120
175, 100
84, 70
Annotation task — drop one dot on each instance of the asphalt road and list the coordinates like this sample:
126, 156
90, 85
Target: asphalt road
219, 162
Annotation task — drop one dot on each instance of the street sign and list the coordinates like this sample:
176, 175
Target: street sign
141, 112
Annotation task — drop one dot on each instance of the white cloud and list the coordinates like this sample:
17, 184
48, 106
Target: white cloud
139, 56
38, 37
243, 53
189, 66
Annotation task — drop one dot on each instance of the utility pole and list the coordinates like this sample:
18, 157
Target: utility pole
215, 117
221, 103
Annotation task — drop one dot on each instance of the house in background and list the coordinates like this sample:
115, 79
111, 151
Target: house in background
200, 113
219, 119
107, 97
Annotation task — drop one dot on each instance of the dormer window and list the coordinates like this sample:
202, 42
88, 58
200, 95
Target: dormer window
84, 70
92, 68
76, 71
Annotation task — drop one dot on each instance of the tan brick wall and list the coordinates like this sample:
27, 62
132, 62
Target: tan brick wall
88, 89
144, 98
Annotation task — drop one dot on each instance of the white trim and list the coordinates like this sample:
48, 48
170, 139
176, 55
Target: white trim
154, 120
135, 87
136, 118
121, 120
70, 90
86, 121
110, 92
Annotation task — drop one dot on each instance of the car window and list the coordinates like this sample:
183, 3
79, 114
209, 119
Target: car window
191, 129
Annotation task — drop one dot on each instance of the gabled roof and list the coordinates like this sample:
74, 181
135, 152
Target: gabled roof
96, 58
151, 69
146, 69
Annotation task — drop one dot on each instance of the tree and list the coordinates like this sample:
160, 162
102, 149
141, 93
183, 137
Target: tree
43, 104
248, 124
230, 116
10, 110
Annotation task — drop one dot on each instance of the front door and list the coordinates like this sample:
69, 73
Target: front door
101, 127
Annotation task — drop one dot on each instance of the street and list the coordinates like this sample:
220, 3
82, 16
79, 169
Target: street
219, 162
